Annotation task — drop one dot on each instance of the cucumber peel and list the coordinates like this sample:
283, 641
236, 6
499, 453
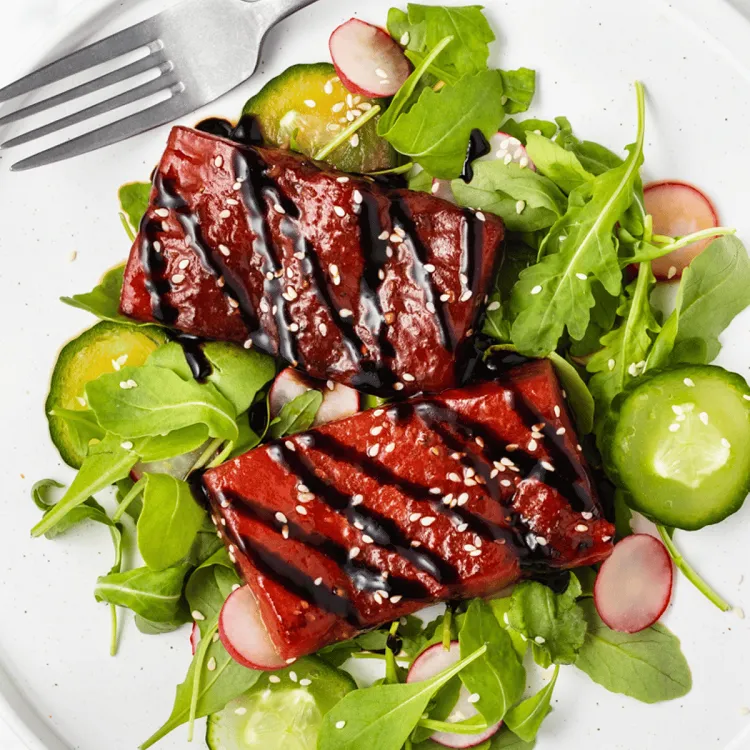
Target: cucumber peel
677, 443
306, 108
105, 347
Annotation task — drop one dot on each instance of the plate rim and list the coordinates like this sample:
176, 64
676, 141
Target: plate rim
727, 28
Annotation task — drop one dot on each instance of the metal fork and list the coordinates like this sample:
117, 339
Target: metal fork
200, 49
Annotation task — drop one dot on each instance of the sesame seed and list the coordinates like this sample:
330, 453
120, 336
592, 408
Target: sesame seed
463, 498
726, 443
224, 250
198, 616
475, 553
157, 245
353, 552
126, 445
241, 711
225, 214
582, 528
301, 510
237, 187
610, 364
409, 378
560, 431
414, 517
520, 206
557, 410
310, 103
427, 521
430, 307
344, 313
280, 517
292, 660
506, 483
466, 296
340, 724
581, 276
358, 197
672, 272
398, 386
357, 500
162, 213
689, 382
390, 447
523, 162
285, 531
532, 446
178, 278
480, 216
674, 427
373, 450
233, 303
305, 682
541, 541
211, 666
354, 140
508, 158
493, 306
540, 639
536, 289
183, 264
547, 466
323, 328
405, 38
474, 698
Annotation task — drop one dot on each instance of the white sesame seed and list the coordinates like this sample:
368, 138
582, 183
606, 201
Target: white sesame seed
541, 541
323, 328
611, 364
547, 466
408, 377
466, 296
581, 276
390, 447
532, 446
237, 187
557, 410
358, 197
211, 666
241, 711
292, 660
233, 303
672, 272
225, 214
540, 639
305, 682
674, 427
301, 510
357, 500
493, 306
224, 250
398, 386
310, 103
463, 498
582, 528
560, 431
689, 382
474, 698
520, 206
340, 724
354, 140
162, 213
523, 162
126, 445
353, 552
414, 517
178, 278
480, 216
506, 483
536, 289
427, 521
183, 264
475, 553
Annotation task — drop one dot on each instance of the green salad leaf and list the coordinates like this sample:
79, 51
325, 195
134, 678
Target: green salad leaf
554, 623
208, 588
498, 678
519, 87
622, 357
648, 666
104, 299
297, 415
146, 401
555, 162
134, 199
383, 716
435, 131
169, 522
715, 288
423, 26
556, 292
154, 595
579, 395
525, 719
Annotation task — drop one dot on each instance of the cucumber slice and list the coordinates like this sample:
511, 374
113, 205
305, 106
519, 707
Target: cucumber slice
103, 348
306, 107
282, 711
678, 445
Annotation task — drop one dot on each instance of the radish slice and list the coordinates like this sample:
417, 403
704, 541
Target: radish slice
339, 401
244, 635
367, 60
429, 663
195, 637
442, 189
634, 585
508, 149
678, 209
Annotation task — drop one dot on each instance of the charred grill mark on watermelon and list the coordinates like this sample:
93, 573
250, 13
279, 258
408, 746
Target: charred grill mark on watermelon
376, 288
466, 493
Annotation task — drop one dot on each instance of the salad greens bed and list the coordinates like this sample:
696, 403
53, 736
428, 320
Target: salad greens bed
577, 227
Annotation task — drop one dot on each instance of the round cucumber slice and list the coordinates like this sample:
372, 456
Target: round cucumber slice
104, 348
307, 106
282, 711
679, 445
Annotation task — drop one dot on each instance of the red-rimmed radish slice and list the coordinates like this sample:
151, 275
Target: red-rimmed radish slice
244, 635
178, 467
195, 638
367, 60
678, 209
442, 189
508, 149
634, 584
433, 661
339, 401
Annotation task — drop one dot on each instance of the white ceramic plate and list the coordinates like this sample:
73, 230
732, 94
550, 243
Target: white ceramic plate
61, 688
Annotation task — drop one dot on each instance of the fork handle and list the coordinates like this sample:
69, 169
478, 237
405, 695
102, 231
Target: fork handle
274, 11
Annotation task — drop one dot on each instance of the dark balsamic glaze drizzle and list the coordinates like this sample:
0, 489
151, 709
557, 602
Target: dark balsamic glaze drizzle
260, 194
478, 146
382, 530
192, 348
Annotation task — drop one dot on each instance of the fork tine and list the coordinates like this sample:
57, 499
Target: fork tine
121, 74
158, 114
161, 83
118, 44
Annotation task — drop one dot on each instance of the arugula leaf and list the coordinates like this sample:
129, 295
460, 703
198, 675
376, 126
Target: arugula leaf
556, 163
421, 182
506, 740
556, 292
104, 299
159, 402
648, 666
134, 199
512, 181
715, 288
208, 588
297, 415
147, 627
218, 686
579, 395
106, 463
440, 708
521, 130
519, 87
498, 677
622, 357
525, 719
154, 595
169, 522
423, 26
435, 131
554, 623
175, 443
383, 716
